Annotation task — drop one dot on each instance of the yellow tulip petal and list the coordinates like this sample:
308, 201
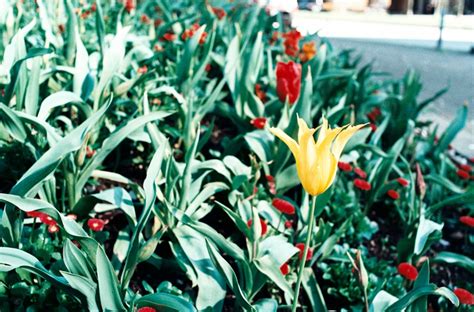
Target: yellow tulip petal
306, 143
323, 130
343, 138
292, 145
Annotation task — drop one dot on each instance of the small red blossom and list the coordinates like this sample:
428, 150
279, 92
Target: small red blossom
61, 28
408, 271
465, 167
208, 67
157, 22
263, 225
467, 220
93, 7
289, 224
156, 101
146, 309
403, 182
89, 152
259, 122
373, 127
262, 95
283, 206
145, 19
34, 214
471, 160
129, 5
44, 218
95, 224
344, 166
464, 296
361, 173
53, 228
285, 268
219, 12
291, 42
142, 70
463, 174
169, 36
301, 246
270, 178
362, 184
71, 216
393, 194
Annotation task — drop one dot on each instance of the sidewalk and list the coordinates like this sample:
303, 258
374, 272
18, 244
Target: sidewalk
411, 30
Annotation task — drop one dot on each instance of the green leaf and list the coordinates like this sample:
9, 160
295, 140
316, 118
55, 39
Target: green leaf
453, 129
313, 291
423, 279
228, 273
109, 294
12, 123
75, 260
59, 99
85, 286
425, 229
456, 259
267, 266
419, 292
381, 301
164, 302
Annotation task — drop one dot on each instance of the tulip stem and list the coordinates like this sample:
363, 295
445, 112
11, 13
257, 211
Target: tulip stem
305, 254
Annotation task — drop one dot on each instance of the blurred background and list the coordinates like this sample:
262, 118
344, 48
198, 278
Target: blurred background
433, 37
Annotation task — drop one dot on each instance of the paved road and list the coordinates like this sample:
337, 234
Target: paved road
438, 69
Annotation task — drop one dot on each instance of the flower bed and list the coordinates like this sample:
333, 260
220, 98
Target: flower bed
166, 156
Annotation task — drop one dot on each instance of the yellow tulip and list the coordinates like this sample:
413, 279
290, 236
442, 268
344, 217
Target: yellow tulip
316, 162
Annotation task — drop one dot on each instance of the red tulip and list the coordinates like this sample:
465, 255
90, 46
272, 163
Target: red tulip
96, 225
263, 225
147, 309
288, 81
467, 220
259, 122
464, 296
403, 182
393, 194
408, 271
362, 184
301, 246
463, 174
361, 173
283, 206
344, 166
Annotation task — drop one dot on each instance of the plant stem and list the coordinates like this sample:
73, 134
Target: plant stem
305, 254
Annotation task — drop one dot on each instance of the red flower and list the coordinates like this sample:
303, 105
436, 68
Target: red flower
285, 268
463, 174
465, 167
259, 122
219, 12
471, 160
157, 22
393, 194
147, 309
208, 67
72, 216
361, 173
362, 184
89, 152
53, 228
344, 166
263, 225
288, 77
464, 296
96, 225
408, 271
291, 42
373, 127
129, 5
260, 93
93, 7
44, 218
283, 206
145, 19
270, 178
169, 36
142, 70
35, 214
300, 246
403, 182
467, 220
288, 224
